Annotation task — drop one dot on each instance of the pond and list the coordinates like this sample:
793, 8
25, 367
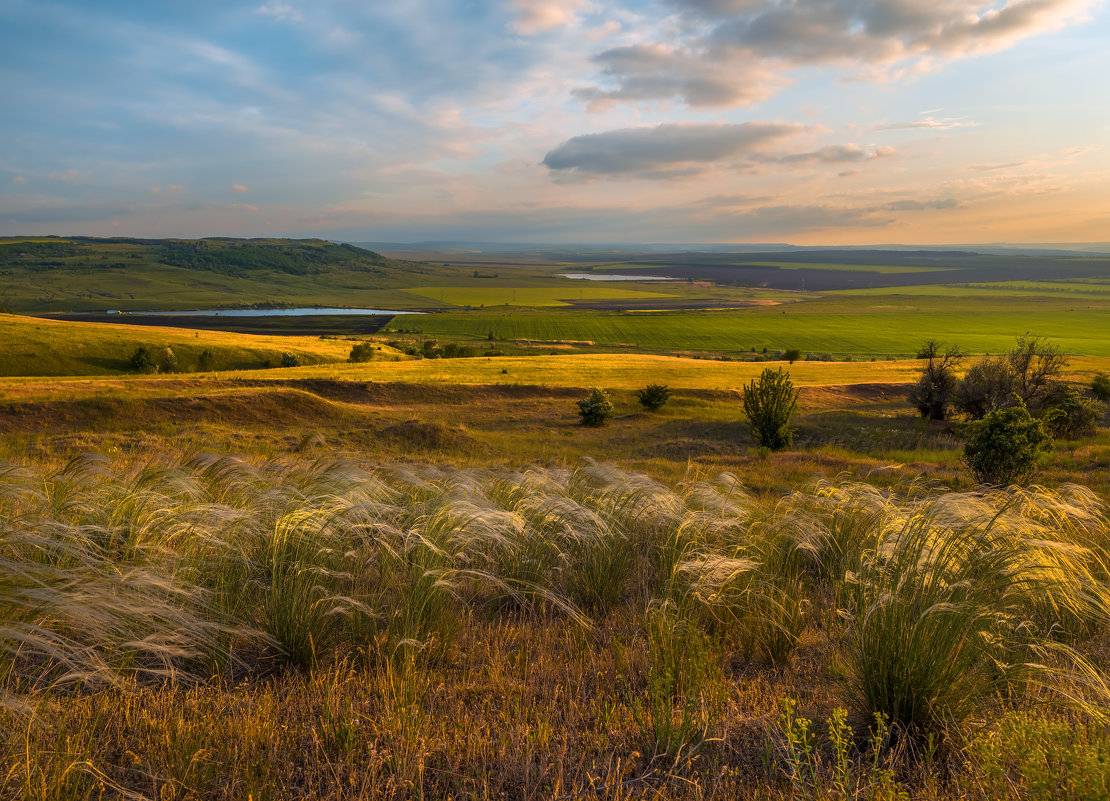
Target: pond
299, 312
616, 277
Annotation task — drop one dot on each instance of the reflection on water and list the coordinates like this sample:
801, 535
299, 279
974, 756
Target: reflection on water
615, 277
305, 312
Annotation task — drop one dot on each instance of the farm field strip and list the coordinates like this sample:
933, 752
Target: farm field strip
530, 295
875, 332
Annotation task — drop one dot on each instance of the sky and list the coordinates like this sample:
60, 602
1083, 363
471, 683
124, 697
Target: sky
812, 122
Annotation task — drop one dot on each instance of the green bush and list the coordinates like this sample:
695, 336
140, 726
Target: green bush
769, 403
205, 361
1100, 387
290, 360
143, 360
361, 352
1071, 416
596, 409
654, 396
1007, 446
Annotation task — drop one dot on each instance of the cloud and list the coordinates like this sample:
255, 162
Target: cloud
69, 176
931, 123
833, 154
734, 52
281, 12
658, 71
668, 147
19, 179
239, 188
538, 16
922, 205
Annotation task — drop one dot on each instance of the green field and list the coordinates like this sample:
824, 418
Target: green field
837, 327
531, 295
879, 269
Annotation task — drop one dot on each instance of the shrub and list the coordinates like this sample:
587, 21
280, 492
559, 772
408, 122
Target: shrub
205, 361
596, 409
654, 396
143, 361
361, 352
290, 360
933, 392
1007, 446
1071, 416
1100, 387
769, 403
792, 355
167, 362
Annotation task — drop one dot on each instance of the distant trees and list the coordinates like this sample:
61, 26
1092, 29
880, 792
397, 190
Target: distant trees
147, 360
1100, 387
142, 360
769, 403
933, 393
1030, 372
792, 355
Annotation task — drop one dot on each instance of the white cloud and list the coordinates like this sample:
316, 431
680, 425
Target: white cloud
282, 12
538, 16
239, 188
733, 52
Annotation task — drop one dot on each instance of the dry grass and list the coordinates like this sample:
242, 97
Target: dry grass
219, 628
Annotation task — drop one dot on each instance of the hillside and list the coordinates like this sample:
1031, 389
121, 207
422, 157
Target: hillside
41, 347
89, 274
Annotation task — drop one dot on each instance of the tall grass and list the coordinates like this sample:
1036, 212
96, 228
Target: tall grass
943, 605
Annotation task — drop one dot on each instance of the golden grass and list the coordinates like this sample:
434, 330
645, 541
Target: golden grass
55, 347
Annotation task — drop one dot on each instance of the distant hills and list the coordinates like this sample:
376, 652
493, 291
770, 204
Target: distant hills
41, 274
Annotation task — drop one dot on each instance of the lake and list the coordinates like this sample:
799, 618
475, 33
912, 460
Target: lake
299, 312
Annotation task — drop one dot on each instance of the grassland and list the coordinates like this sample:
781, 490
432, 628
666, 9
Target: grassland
422, 578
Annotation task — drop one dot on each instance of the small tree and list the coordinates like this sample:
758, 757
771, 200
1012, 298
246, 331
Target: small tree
205, 361
143, 361
934, 391
769, 403
1035, 364
290, 360
167, 362
653, 396
792, 355
596, 409
1007, 446
361, 352
1071, 416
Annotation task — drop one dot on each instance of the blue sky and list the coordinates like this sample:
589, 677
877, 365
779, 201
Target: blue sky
806, 121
